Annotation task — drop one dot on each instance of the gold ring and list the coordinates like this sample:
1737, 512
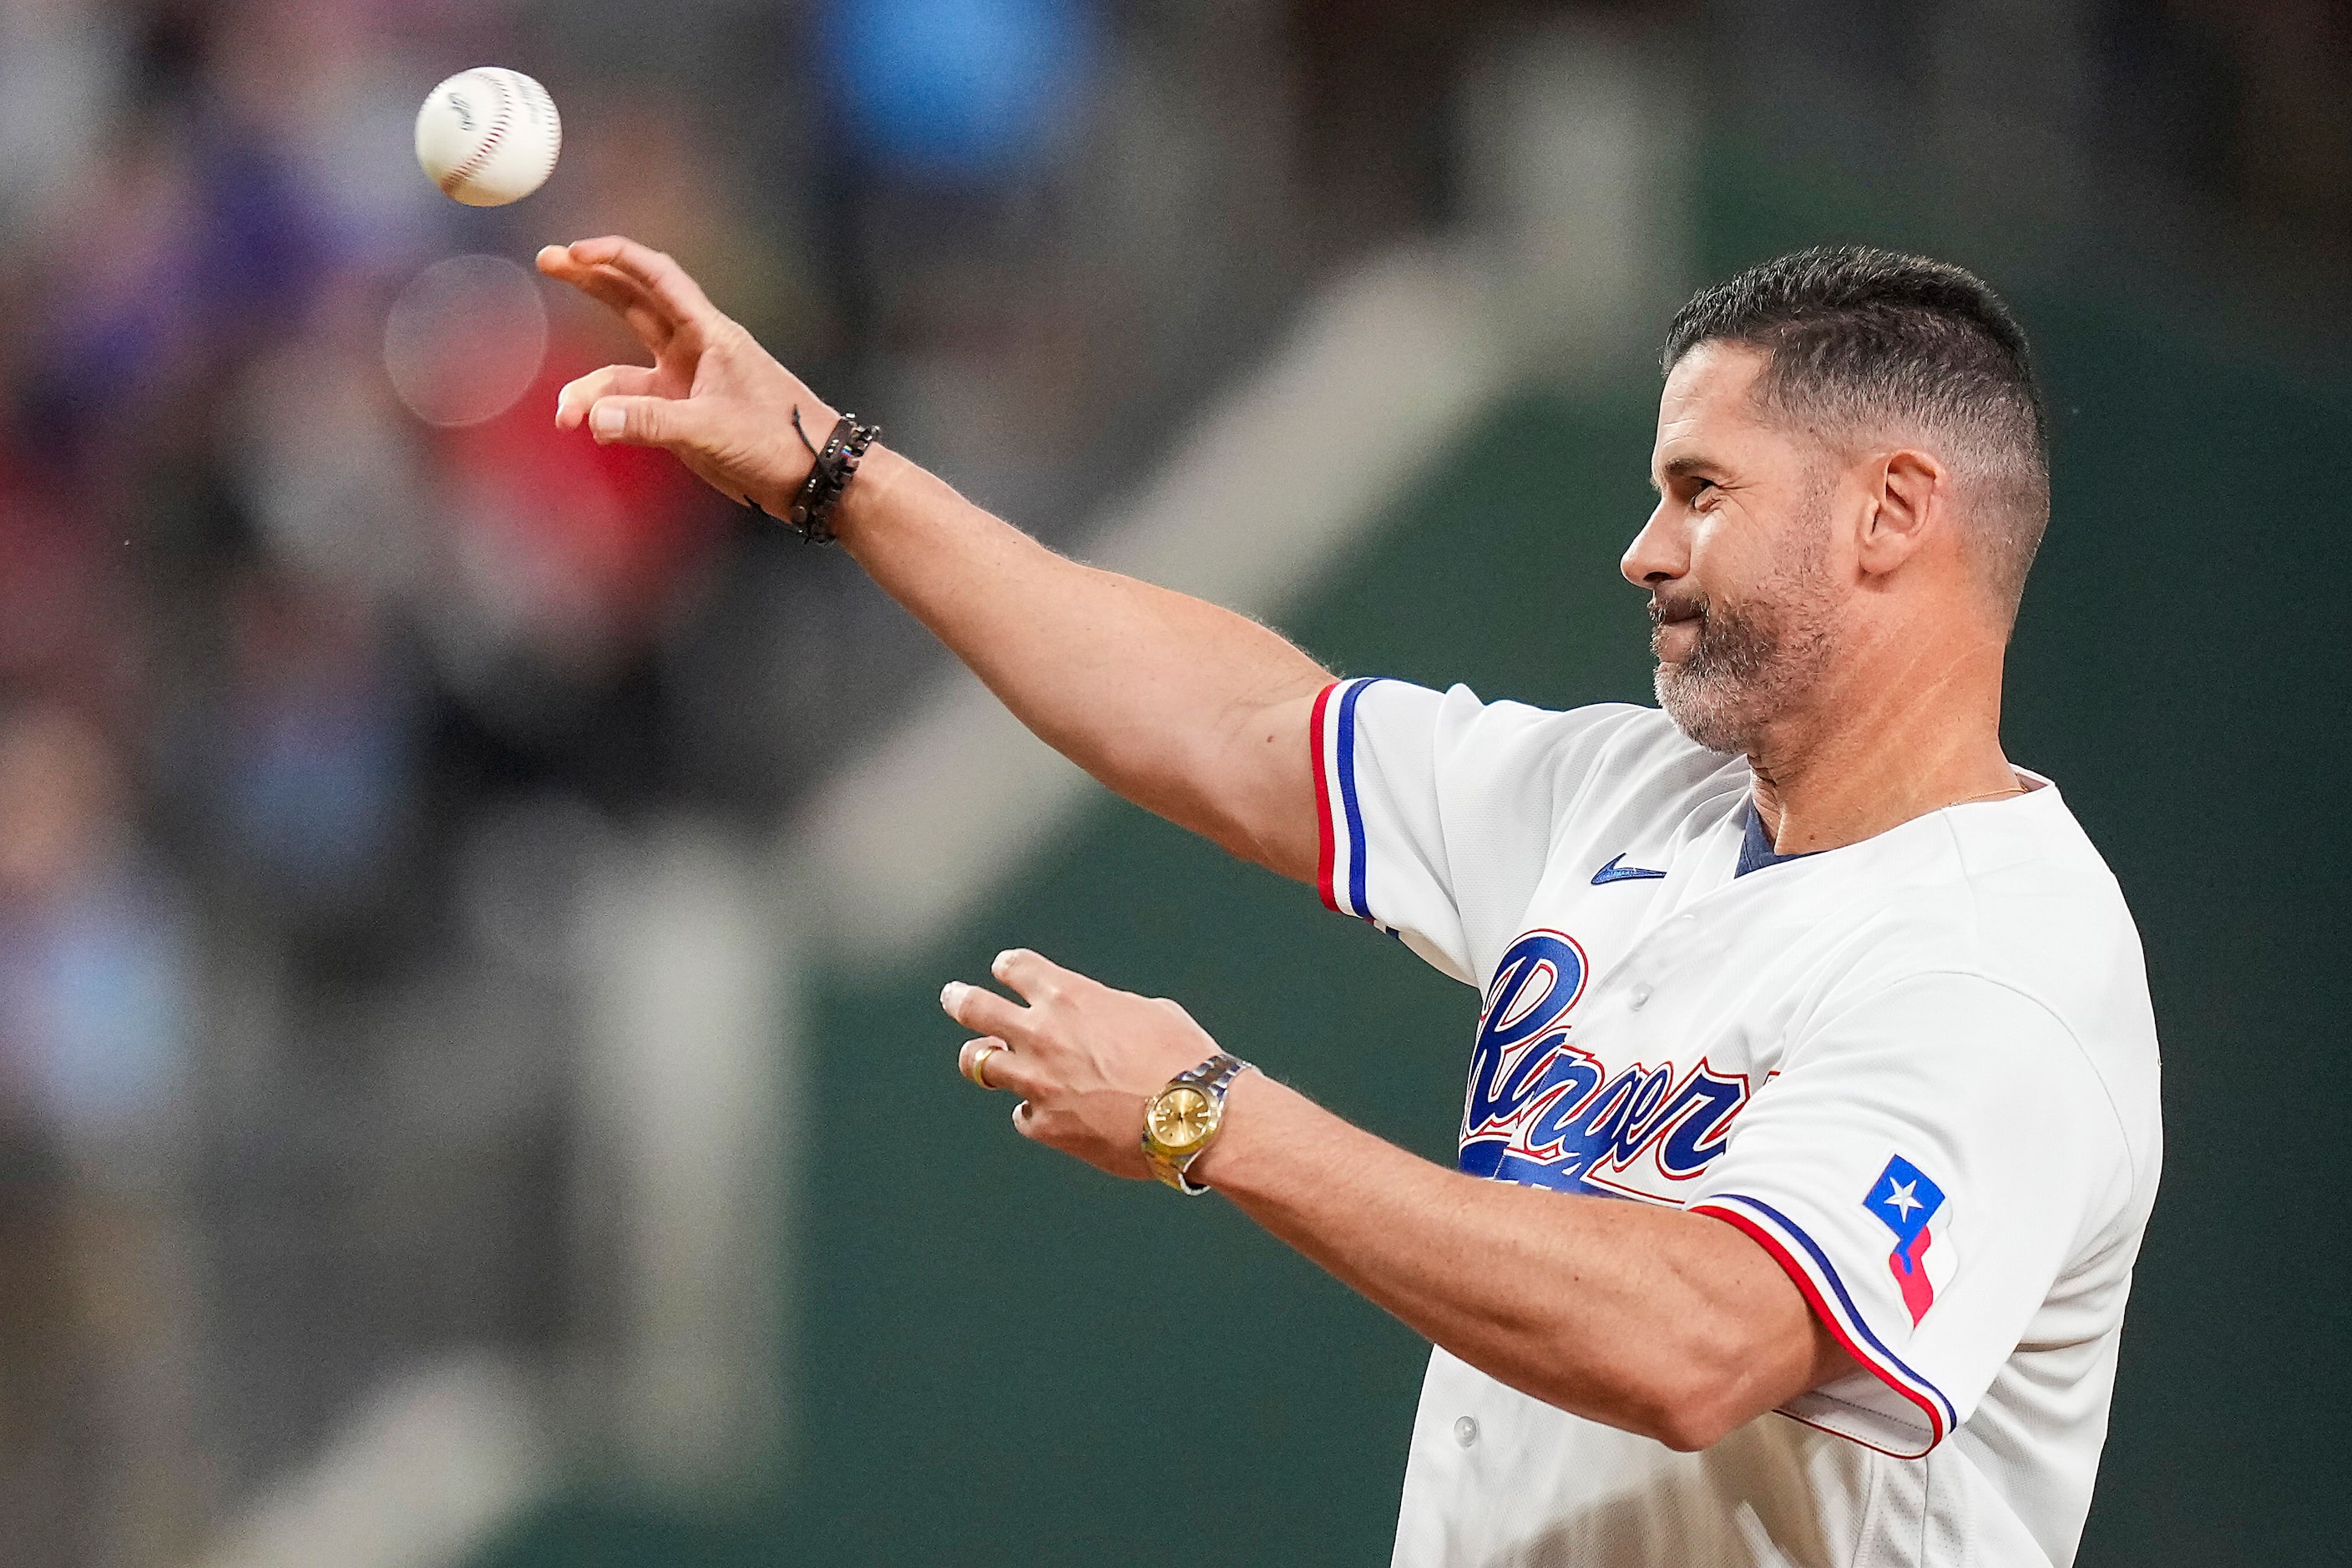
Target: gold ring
977, 1071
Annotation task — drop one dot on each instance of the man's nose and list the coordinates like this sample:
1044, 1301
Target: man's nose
1657, 553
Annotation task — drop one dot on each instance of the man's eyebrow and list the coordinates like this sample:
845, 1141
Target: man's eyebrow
1681, 469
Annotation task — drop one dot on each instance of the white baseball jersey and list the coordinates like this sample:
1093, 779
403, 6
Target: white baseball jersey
1920, 1071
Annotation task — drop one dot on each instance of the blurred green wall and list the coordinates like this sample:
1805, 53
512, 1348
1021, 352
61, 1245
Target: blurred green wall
1003, 1358
1037, 1362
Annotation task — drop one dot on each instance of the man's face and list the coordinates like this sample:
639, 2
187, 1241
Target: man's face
1737, 555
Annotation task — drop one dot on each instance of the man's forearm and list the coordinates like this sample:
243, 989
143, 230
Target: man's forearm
1187, 708
1650, 1319
1189, 711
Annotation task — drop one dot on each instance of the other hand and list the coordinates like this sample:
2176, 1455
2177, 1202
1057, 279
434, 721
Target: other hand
1082, 1056
713, 397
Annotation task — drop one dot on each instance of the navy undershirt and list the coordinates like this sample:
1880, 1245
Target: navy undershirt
1756, 850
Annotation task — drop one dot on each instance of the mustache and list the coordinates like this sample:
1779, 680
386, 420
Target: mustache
1666, 609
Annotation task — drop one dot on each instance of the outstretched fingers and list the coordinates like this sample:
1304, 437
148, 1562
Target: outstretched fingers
1001, 1067
1032, 975
984, 1011
572, 404
673, 423
663, 280
653, 323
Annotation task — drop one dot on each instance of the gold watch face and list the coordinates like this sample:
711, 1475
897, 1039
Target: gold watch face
1180, 1119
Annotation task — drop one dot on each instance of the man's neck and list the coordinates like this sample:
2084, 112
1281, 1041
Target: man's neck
1914, 733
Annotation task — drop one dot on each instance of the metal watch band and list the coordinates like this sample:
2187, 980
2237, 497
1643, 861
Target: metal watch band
1212, 1078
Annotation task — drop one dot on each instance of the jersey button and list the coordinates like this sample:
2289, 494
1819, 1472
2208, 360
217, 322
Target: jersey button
1465, 1430
1640, 995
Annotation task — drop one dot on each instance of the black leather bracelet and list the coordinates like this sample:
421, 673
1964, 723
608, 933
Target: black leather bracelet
811, 512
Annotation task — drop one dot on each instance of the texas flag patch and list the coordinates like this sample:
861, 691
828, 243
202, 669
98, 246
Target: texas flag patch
1906, 1200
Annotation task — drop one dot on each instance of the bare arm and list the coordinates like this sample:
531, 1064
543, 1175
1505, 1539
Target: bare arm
1670, 1325
1186, 709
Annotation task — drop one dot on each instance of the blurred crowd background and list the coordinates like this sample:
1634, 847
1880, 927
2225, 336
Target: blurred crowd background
330, 672
328, 663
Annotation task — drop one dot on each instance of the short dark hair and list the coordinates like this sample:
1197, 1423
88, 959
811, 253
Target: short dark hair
1856, 338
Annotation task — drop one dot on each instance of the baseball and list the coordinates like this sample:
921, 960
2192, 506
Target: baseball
488, 136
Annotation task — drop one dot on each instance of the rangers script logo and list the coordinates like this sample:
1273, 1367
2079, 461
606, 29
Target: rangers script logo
1543, 1112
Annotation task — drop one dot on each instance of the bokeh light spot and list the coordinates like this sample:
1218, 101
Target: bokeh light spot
466, 339
960, 86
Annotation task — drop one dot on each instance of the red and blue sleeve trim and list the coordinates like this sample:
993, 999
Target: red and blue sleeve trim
1340, 863
1810, 1268
1325, 852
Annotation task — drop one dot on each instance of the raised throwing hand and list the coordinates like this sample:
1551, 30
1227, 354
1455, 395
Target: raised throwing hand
713, 397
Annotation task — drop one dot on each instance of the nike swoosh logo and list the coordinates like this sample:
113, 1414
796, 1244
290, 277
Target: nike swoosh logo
1618, 871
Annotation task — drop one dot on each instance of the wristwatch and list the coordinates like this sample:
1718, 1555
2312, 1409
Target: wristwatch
1183, 1120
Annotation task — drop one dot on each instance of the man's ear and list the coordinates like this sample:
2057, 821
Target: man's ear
1911, 498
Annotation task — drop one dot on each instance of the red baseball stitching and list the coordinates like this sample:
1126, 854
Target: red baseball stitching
555, 135
490, 140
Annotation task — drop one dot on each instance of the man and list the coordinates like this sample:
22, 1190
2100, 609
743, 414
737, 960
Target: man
1845, 1004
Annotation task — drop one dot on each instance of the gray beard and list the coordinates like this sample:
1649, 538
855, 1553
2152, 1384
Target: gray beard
1755, 660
